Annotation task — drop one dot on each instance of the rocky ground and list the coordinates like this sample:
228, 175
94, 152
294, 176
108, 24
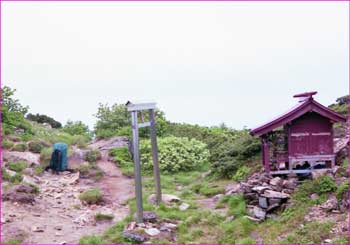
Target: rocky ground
55, 214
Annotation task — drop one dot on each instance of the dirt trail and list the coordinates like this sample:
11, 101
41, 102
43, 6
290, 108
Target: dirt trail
58, 211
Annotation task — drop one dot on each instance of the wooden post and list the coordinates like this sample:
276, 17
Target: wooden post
155, 156
266, 155
137, 167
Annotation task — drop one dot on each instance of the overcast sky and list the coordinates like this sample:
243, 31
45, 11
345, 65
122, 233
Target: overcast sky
202, 62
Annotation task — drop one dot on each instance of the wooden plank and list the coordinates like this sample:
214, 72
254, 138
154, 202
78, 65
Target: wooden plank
298, 171
137, 167
141, 106
143, 125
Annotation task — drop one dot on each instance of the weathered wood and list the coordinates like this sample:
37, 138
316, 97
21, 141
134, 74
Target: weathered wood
143, 125
156, 171
298, 171
141, 106
266, 154
137, 167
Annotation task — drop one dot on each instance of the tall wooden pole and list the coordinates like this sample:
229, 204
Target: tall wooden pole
266, 154
155, 156
137, 167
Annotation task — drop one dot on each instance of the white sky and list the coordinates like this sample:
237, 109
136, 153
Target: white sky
202, 62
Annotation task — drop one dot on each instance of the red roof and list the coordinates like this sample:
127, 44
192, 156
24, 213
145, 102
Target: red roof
309, 105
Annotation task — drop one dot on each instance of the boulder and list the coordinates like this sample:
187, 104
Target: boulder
30, 158
217, 197
232, 188
259, 212
152, 231
184, 206
314, 196
134, 236
150, 216
273, 201
290, 183
260, 189
166, 199
277, 181
263, 202
274, 194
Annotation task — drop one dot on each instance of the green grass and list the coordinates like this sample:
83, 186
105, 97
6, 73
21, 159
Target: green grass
91, 170
101, 216
17, 166
7, 144
91, 240
92, 196
20, 147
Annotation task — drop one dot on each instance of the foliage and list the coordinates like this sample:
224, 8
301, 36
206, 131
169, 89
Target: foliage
16, 179
92, 196
12, 116
80, 140
7, 144
342, 189
45, 156
242, 173
325, 184
36, 146
123, 158
175, 154
41, 118
342, 105
110, 120
77, 128
101, 216
90, 170
20, 147
92, 156
91, 240
17, 166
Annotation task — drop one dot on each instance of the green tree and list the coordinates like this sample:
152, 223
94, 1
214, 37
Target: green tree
76, 128
12, 112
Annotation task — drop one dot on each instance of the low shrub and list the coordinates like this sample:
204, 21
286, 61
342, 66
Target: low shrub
325, 184
342, 189
80, 141
45, 156
36, 146
5, 175
39, 170
175, 154
241, 174
17, 166
92, 196
20, 147
7, 144
101, 216
92, 156
91, 240
90, 170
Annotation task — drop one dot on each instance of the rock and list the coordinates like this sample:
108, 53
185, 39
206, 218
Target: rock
250, 196
232, 188
330, 204
166, 199
328, 241
20, 193
272, 207
273, 201
259, 213
217, 197
28, 171
14, 156
274, 194
263, 202
276, 181
152, 231
58, 227
290, 183
170, 225
131, 226
314, 196
260, 189
133, 236
253, 219
272, 216
230, 218
10, 172
38, 229
30, 180
184, 206
108, 144
319, 173
13, 233
150, 216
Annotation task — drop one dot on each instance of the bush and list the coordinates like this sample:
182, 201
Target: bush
91, 240
44, 119
80, 141
20, 147
36, 146
241, 174
175, 154
100, 216
92, 196
17, 166
7, 144
90, 170
325, 184
4, 175
45, 156
342, 189
92, 156
77, 128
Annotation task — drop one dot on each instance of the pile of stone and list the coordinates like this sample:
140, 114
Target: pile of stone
264, 194
152, 227
20, 193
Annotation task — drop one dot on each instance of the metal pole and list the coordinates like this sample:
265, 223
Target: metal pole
137, 167
155, 156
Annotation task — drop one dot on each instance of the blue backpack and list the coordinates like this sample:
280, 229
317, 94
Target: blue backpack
59, 160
